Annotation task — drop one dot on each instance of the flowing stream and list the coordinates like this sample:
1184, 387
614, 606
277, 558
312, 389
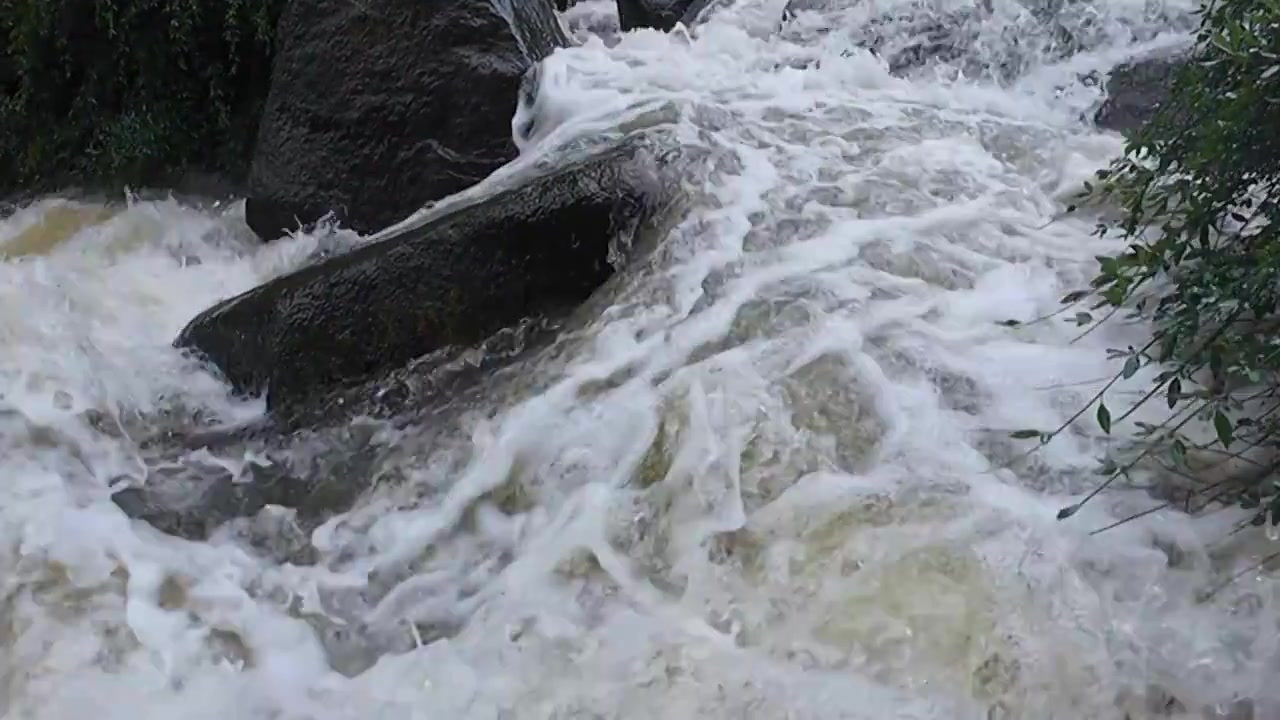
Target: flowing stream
767, 475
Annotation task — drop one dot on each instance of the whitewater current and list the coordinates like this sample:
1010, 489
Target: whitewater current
767, 476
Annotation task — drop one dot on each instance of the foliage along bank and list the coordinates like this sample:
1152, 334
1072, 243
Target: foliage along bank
1197, 189
111, 93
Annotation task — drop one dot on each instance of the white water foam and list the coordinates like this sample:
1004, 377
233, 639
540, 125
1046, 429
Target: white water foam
760, 485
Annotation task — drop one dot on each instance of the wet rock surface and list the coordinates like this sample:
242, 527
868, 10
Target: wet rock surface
396, 330
379, 107
1135, 92
192, 499
538, 248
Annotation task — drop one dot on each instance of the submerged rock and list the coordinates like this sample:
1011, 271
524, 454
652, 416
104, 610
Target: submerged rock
1135, 91
538, 248
979, 43
908, 37
191, 499
381, 106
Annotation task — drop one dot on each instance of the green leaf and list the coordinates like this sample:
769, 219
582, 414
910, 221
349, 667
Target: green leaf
1223, 427
1130, 367
1025, 434
1009, 323
1104, 418
1068, 511
1175, 392
1179, 453
1075, 296
1083, 318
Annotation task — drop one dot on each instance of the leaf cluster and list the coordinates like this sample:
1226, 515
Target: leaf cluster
1197, 190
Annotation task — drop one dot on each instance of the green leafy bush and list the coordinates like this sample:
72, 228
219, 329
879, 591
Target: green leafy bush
1197, 190
109, 92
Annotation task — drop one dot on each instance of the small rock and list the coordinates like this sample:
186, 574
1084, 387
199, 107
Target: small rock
1135, 91
657, 14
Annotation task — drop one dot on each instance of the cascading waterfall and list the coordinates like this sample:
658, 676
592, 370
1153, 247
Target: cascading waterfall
767, 474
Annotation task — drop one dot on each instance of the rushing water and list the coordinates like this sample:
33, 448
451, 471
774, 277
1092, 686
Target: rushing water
760, 479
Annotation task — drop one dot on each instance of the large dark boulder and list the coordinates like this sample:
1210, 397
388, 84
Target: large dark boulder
373, 332
380, 106
1135, 91
538, 248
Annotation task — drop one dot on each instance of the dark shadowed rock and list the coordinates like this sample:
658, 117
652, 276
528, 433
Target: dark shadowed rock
380, 106
536, 249
1135, 91
657, 14
664, 15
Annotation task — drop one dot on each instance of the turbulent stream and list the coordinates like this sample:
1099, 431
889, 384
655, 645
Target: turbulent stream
767, 475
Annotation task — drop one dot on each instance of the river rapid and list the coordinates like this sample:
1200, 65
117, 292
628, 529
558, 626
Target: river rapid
768, 474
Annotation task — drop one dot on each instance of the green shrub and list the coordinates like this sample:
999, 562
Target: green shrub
130, 91
1197, 190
